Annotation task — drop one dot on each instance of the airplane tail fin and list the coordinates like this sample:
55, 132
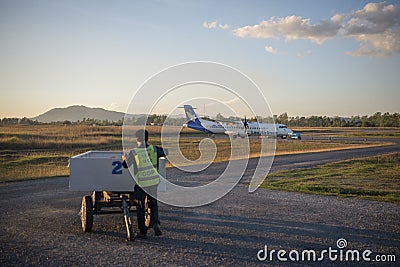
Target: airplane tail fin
191, 116
193, 120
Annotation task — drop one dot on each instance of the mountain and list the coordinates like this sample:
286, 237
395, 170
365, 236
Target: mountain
75, 113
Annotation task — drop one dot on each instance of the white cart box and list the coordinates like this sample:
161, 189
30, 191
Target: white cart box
103, 171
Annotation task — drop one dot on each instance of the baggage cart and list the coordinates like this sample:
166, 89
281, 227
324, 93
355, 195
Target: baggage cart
111, 186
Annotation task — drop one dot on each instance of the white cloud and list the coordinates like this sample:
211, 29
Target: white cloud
210, 25
271, 50
292, 28
223, 26
214, 25
232, 101
306, 53
113, 106
381, 44
375, 27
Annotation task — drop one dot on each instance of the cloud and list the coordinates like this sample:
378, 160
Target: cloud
113, 106
306, 53
382, 44
224, 26
375, 27
214, 25
210, 25
372, 19
292, 28
271, 50
232, 101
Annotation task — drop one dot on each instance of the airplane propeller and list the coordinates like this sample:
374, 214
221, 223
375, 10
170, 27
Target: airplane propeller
245, 123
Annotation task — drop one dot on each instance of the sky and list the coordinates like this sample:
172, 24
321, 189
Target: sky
307, 57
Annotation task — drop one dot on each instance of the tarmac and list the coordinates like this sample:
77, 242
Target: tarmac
40, 226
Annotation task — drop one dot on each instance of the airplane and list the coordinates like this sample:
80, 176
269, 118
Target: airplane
236, 128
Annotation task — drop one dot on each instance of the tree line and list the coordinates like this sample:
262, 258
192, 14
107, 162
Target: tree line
153, 119
376, 120
84, 121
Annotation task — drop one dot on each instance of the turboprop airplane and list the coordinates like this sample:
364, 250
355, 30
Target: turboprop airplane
235, 128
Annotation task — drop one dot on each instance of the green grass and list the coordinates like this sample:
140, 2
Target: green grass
374, 178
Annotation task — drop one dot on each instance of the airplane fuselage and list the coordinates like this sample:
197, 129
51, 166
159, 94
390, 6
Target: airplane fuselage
235, 128
238, 128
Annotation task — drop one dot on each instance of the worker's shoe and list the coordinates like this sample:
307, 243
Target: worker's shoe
141, 236
157, 230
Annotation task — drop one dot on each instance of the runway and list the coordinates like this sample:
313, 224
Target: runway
40, 224
284, 162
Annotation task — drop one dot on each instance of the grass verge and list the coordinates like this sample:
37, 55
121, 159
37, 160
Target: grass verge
373, 178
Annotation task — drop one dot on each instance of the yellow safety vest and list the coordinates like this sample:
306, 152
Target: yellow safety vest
146, 162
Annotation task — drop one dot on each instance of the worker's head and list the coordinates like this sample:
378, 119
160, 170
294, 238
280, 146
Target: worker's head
142, 135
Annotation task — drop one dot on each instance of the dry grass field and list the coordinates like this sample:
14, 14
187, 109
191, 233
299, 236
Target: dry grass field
43, 151
28, 152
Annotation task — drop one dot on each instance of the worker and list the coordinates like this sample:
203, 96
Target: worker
144, 159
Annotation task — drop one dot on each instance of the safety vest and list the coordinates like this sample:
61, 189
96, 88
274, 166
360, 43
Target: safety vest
146, 162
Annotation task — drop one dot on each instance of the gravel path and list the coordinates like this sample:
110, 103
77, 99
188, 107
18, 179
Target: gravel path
40, 226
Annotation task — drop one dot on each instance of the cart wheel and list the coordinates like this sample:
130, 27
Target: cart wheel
96, 197
147, 217
87, 213
132, 234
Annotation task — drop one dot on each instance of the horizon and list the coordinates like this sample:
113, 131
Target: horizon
202, 115
338, 58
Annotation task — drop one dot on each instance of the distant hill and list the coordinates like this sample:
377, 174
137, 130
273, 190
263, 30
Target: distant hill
75, 113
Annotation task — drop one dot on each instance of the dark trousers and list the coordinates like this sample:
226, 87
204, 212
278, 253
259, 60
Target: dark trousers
140, 196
